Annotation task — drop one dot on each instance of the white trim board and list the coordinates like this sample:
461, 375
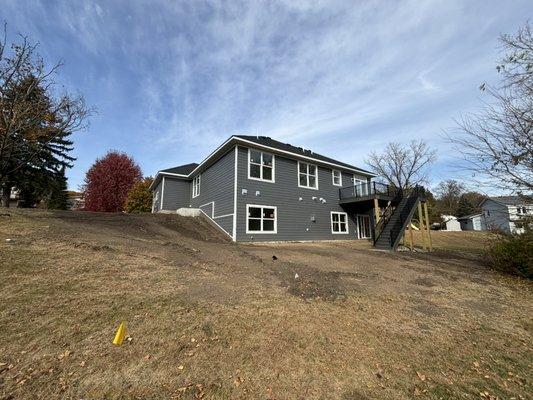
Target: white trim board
162, 193
234, 233
213, 211
215, 222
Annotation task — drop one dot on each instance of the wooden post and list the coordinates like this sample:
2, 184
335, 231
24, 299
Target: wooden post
421, 220
376, 209
410, 234
427, 224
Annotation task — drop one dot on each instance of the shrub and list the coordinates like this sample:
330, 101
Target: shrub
139, 198
513, 254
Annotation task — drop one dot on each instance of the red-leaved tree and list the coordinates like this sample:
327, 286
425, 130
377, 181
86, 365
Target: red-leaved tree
108, 182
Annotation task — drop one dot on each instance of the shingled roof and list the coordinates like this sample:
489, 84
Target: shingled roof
185, 169
512, 200
267, 141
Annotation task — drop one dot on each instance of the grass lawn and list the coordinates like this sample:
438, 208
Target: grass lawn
215, 320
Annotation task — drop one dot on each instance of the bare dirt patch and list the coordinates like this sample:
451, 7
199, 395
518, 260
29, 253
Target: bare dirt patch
216, 320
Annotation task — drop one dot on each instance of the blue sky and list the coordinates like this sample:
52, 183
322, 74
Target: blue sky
173, 79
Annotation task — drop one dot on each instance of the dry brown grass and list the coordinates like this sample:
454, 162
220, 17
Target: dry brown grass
473, 242
214, 320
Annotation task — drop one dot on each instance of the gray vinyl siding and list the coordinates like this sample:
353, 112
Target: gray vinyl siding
156, 197
176, 193
294, 216
496, 216
217, 191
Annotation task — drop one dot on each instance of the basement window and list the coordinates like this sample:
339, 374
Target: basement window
261, 219
339, 222
260, 165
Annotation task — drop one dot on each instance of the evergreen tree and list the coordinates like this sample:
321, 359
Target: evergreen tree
58, 199
36, 122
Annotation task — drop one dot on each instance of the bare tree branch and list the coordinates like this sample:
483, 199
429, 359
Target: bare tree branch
402, 166
497, 143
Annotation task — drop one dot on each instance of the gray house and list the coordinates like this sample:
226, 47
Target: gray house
259, 189
474, 222
504, 212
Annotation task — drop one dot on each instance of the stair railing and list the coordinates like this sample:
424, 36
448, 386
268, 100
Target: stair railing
399, 224
387, 214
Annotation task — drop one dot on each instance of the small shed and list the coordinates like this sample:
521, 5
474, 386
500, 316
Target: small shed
474, 222
451, 223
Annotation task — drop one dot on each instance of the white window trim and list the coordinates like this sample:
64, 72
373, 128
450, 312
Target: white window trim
347, 224
333, 177
194, 194
275, 231
273, 180
298, 175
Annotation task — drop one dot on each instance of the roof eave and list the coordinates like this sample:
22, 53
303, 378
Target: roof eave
237, 140
354, 169
159, 174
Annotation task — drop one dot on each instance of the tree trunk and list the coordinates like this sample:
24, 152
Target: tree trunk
6, 194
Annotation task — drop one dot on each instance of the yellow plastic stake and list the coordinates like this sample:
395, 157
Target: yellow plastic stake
120, 335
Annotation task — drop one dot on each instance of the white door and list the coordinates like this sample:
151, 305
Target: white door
363, 227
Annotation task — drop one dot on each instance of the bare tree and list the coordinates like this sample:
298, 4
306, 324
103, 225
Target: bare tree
448, 195
403, 166
497, 143
35, 122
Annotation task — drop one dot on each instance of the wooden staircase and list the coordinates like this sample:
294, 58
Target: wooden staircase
391, 226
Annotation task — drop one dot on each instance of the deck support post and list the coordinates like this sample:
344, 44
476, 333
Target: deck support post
376, 209
421, 223
410, 234
427, 225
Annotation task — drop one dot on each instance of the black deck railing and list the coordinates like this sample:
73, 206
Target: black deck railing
366, 189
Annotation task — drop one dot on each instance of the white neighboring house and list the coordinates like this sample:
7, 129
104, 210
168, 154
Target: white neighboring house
451, 223
503, 212
474, 222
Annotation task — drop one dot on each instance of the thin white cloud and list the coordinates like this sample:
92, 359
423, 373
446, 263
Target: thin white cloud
186, 75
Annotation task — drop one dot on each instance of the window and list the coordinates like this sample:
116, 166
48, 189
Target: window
307, 175
337, 177
339, 222
261, 219
196, 187
260, 165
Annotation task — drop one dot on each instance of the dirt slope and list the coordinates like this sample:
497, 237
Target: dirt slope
215, 320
